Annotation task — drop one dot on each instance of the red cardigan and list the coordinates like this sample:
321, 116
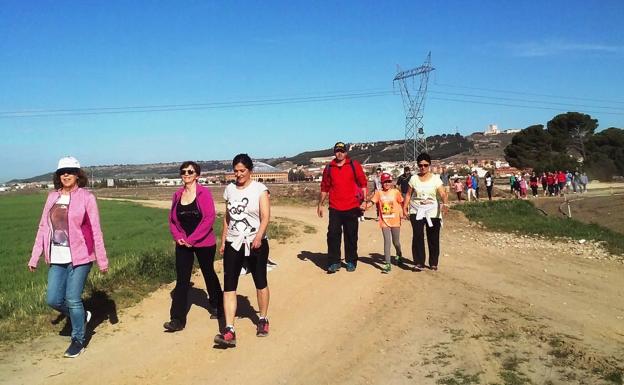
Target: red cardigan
203, 236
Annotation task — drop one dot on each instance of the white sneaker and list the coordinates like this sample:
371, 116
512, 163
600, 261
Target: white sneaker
87, 316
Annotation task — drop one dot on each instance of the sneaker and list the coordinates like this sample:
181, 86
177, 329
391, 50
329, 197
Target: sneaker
350, 267
398, 261
386, 268
87, 316
334, 267
227, 338
173, 326
74, 349
419, 267
263, 328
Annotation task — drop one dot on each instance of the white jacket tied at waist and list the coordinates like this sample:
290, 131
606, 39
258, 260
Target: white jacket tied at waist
242, 239
424, 211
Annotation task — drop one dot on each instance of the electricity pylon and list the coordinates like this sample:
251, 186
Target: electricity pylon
414, 104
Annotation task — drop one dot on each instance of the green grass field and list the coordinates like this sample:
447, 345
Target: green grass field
139, 247
521, 216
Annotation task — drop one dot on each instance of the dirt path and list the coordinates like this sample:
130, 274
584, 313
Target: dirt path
505, 312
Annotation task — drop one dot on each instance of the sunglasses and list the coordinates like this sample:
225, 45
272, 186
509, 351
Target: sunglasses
187, 172
423, 165
67, 170
387, 181
339, 150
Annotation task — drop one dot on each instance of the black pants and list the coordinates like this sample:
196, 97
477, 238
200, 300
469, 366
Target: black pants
340, 221
184, 268
489, 191
534, 190
418, 240
256, 263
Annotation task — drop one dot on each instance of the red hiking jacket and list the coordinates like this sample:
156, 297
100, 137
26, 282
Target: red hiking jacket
343, 184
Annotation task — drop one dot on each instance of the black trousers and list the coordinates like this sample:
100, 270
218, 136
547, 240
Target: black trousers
489, 191
418, 240
185, 256
339, 222
256, 263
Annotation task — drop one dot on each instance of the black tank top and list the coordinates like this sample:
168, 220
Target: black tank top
189, 216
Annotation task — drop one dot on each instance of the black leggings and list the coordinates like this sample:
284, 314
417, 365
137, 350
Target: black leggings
185, 257
256, 264
418, 240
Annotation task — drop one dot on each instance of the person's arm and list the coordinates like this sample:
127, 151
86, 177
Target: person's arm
38, 245
406, 202
178, 236
324, 191
321, 202
226, 222
265, 214
442, 191
360, 177
98, 240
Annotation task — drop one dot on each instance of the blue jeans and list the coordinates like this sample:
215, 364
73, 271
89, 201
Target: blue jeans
65, 286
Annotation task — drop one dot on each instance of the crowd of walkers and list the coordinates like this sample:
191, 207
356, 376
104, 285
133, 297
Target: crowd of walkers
70, 237
553, 183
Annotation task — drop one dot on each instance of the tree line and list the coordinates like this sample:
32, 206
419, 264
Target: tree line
569, 142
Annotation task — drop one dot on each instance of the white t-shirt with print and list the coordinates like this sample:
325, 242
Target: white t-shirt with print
243, 207
425, 193
59, 240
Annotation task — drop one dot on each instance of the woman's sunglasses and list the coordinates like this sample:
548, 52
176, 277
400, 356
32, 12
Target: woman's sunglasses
423, 165
67, 170
187, 172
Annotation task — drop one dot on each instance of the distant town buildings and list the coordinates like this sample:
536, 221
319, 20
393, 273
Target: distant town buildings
492, 129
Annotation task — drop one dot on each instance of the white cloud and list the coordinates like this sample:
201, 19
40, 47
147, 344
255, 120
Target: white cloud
558, 47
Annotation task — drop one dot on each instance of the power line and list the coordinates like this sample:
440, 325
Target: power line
191, 106
519, 106
528, 93
524, 100
327, 97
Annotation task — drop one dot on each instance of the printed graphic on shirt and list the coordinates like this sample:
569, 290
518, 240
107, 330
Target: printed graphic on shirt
238, 217
60, 228
386, 210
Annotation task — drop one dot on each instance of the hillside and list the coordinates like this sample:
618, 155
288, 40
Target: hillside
446, 146
440, 147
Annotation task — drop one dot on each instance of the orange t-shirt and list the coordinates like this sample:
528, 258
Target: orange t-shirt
390, 208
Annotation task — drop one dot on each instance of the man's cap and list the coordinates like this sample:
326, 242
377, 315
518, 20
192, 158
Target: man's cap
386, 177
68, 162
340, 146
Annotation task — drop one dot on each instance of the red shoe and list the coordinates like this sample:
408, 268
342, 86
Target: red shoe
227, 338
263, 328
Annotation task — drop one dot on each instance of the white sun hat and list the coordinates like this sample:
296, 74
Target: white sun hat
68, 162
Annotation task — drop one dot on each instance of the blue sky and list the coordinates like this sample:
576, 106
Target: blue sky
490, 57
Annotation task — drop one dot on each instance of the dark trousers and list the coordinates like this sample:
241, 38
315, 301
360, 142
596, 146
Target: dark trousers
489, 191
339, 222
418, 240
185, 256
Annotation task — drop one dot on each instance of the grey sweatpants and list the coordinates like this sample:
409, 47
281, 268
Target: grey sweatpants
391, 234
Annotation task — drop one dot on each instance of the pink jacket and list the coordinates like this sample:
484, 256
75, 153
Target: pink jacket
203, 236
85, 236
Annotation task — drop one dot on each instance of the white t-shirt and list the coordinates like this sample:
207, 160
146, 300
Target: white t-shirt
59, 240
425, 193
243, 206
